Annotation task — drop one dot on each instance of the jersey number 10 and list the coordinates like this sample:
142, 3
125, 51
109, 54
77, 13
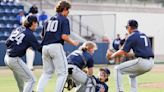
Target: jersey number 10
52, 25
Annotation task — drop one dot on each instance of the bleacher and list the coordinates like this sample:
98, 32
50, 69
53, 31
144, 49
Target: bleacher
8, 12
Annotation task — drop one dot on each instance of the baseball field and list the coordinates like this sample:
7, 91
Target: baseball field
152, 81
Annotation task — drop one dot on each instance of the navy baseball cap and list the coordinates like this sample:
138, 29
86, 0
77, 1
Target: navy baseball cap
106, 70
32, 18
132, 23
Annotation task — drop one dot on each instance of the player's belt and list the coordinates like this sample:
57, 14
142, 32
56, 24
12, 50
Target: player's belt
146, 57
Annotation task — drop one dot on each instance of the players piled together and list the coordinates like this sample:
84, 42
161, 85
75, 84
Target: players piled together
70, 69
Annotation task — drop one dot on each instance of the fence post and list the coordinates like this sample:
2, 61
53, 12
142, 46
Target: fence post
80, 24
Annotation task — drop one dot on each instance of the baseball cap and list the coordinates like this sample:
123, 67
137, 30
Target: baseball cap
31, 18
106, 70
132, 23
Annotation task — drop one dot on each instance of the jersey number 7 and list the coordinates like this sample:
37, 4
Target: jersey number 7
145, 40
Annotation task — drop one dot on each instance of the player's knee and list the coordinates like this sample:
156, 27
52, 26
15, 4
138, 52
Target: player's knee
31, 81
63, 72
48, 74
116, 68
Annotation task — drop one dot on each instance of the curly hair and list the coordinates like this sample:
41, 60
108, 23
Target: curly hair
61, 5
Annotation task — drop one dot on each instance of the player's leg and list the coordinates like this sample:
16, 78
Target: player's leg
78, 75
48, 70
134, 68
27, 76
61, 65
85, 83
124, 68
30, 55
144, 66
133, 83
21, 71
20, 82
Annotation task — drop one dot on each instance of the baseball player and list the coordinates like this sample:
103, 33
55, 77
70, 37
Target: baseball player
17, 44
30, 53
140, 44
100, 85
116, 47
56, 31
80, 59
102, 79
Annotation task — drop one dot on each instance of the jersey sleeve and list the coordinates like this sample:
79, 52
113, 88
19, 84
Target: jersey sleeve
106, 88
66, 27
34, 43
128, 44
44, 29
90, 62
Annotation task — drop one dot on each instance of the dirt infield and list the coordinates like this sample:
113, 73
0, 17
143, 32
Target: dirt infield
150, 85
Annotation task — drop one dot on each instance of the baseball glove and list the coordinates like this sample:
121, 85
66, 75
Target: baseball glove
109, 54
70, 84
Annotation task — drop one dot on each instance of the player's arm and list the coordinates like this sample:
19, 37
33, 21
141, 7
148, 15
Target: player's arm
90, 64
35, 44
119, 53
90, 71
66, 38
125, 49
66, 33
42, 34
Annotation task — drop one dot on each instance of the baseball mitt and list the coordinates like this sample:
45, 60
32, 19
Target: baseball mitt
109, 54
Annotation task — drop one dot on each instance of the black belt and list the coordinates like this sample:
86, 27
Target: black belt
145, 57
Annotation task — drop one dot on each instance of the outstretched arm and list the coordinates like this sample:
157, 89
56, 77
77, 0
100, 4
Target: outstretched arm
69, 40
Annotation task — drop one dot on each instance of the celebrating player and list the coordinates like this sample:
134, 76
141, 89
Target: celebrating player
17, 44
80, 59
102, 79
140, 44
56, 31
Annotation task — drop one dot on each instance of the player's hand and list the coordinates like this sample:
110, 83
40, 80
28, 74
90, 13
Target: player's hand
102, 89
109, 54
76, 43
85, 71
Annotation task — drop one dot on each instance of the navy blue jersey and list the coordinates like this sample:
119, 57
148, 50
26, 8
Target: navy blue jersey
19, 40
55, 28
100, 84
116, 44
75, 58
140, 44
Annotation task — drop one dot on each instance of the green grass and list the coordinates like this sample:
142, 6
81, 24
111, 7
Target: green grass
8, 83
